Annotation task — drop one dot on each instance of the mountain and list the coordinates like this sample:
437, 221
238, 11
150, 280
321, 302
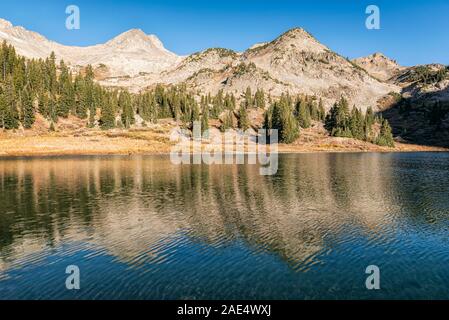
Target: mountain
429, 82
128, 54
295, 62
215, 59
379, 66
420, 114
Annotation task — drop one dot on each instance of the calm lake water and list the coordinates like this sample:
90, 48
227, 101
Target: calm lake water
142, 228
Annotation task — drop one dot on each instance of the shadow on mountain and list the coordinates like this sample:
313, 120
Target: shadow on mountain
420, 118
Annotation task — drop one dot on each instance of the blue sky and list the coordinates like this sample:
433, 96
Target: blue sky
412, 31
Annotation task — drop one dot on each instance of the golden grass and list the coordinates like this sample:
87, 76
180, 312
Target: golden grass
156, 141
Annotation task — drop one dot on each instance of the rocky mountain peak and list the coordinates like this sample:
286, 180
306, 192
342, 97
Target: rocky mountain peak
379, 66
5, 24
296, 39
135, 38
380, 57
297, 32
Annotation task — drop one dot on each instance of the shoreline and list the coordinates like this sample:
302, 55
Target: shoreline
128, 143
107, 155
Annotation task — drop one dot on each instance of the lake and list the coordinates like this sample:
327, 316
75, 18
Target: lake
140, 227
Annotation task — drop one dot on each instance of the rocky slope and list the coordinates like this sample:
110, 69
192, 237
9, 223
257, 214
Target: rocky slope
295, 62
128, 55
420, 114
380, 66
429, 82
424, 81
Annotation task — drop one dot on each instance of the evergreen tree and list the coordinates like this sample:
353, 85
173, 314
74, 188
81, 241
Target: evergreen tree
66, 93
248, 98
107, 119
313, 110
52, 108
280, 117
337, 120
204, 119
126, 108
356, 124
3, 110
260, 99
147, 107
28, 116
243, 120
303, 113
385, 137
321, 111
80, 97
9, 115
228, 121
195, 114
43, 105
370, 117
51, 81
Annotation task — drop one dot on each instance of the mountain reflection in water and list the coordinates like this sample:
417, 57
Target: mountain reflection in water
140, 227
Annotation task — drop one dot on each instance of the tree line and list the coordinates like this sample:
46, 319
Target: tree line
288, 115
31, 86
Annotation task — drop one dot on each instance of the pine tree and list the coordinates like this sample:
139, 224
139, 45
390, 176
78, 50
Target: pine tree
321, 111
268, 118
303, 112
204, 119
80, 97
356, 124
228, 121
125, 105
337, 120
259, 98
243, 120
28, 116
3, 110
147, 108
107, 119
66, 93
313, 110
370, 117
51, 81
195, 114
52, 108
216, 110
89, 98
280, 117
385, 137
248, 98
10, 114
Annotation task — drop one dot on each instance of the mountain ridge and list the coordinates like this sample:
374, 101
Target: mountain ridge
144, 53
295, 61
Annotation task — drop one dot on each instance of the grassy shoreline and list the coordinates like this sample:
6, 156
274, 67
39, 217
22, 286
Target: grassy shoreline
95, 142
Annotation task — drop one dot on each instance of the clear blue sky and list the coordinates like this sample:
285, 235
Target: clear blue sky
412, 32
